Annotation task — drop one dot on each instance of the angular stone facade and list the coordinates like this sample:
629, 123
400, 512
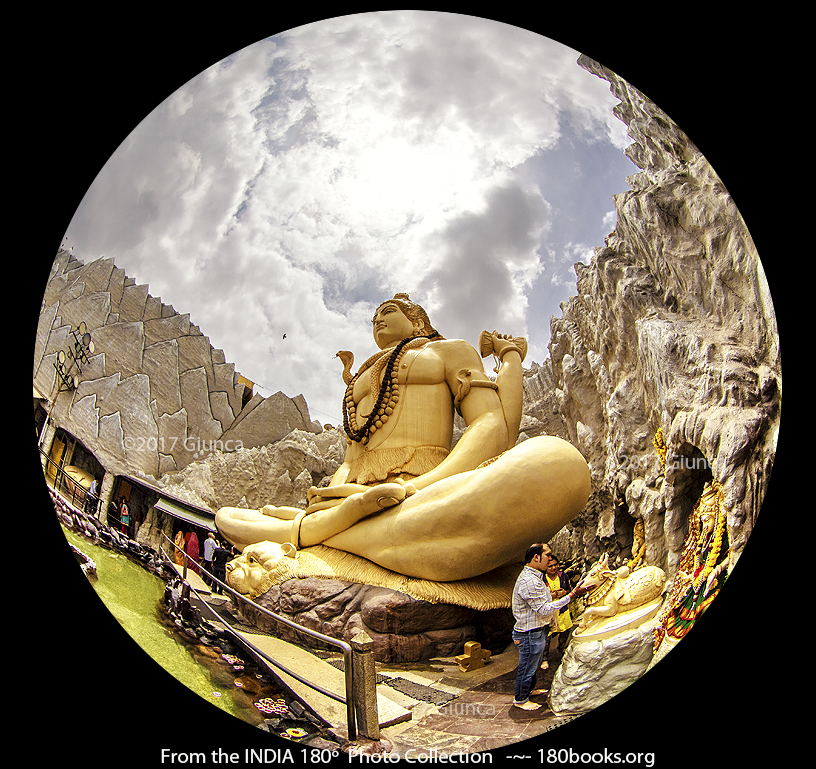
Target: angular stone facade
155, 395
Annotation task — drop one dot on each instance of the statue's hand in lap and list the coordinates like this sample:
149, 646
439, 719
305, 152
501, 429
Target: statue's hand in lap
331, 496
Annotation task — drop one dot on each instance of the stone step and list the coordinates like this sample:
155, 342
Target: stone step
311, 668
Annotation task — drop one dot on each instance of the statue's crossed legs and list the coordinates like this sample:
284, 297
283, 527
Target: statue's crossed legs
459, 527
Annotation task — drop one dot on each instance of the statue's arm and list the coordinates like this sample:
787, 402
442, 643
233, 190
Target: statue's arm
510, 352
486, 434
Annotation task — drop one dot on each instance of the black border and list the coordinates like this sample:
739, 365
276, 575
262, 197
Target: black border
722, 80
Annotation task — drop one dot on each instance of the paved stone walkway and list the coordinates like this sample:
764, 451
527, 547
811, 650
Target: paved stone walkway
452, 711
479, 716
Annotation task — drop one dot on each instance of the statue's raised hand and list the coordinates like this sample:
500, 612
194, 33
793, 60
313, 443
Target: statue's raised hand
498, 344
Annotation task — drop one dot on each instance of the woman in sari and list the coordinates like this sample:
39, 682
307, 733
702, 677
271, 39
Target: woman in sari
178, 554
192, 552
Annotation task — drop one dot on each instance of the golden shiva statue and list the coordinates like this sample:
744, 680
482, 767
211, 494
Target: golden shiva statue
402, 498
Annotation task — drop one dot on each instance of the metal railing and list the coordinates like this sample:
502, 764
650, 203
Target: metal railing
79, 499
348, 652
64, 485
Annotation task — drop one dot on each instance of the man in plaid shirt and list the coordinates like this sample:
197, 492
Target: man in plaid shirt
533, 608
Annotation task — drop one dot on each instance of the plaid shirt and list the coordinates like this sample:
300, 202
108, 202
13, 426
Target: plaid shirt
533, 606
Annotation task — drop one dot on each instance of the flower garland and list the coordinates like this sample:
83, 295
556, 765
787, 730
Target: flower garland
640, 551
660, 446
695, 573
637, 557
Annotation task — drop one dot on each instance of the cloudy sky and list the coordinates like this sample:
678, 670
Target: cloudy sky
293, 186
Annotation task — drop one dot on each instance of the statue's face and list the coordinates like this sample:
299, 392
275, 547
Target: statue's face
246, 572
391, 325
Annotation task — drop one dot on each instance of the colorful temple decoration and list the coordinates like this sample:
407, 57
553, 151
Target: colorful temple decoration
703, 566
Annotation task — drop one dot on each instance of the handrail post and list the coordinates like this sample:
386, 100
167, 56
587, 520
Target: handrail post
364, 678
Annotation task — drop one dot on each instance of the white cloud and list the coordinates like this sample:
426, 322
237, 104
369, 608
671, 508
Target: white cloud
291, 187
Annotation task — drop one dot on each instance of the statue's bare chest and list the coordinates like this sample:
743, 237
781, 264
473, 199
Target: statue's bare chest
415, 367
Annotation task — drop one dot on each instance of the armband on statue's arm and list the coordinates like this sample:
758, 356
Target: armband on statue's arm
466, 381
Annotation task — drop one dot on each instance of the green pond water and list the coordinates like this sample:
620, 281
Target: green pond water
132, 595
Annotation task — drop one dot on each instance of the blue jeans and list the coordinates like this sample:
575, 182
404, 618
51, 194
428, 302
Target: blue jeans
531, 649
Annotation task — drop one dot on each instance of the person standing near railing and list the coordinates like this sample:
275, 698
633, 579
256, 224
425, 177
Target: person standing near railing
220, 557
192, 552
124, 516
179, 552
91, 498
209, 547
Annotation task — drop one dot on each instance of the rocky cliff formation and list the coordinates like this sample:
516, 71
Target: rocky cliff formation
277, 474
672, 329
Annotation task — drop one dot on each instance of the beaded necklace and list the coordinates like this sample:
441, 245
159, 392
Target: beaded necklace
388, 394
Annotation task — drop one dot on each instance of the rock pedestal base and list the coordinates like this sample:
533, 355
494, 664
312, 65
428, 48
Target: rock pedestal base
593, 672
402, 628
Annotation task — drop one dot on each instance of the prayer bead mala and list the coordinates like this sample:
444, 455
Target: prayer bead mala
388, 395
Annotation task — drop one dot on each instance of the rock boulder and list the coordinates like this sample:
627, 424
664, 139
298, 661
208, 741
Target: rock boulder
402, 628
